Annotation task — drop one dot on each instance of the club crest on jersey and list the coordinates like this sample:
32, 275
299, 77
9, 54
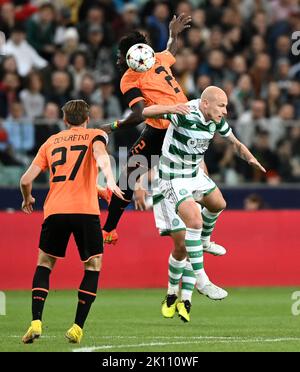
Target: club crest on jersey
212, 127
175, 222
183, 192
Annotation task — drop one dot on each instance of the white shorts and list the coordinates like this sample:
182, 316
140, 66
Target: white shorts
166, 219
179, 189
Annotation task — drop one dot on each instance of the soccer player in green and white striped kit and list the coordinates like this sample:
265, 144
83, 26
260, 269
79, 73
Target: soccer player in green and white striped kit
179, 268
181, 177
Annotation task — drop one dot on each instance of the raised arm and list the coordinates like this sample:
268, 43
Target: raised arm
242, 151
177, 25
26, 187
160, 110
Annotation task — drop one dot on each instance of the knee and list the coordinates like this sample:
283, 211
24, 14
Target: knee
194, 223
46, 260
219, 206
94, 263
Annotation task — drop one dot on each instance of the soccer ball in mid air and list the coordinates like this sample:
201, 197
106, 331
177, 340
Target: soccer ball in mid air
140, 57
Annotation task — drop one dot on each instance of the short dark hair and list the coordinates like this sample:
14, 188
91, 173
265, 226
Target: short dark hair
126, 42
76, 112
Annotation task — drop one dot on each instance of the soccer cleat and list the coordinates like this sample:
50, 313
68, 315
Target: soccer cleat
184, 308
74, 334
104, 193
34, 331
168, 308
110, 237
212, 291
215, 249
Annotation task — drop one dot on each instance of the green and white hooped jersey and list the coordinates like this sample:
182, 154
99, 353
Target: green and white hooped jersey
186, 141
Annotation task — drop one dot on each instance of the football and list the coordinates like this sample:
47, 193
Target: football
140, 57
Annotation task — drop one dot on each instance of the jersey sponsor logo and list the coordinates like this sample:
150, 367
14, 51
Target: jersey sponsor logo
201, 145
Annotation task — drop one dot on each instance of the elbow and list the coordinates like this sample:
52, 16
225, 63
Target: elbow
24, 181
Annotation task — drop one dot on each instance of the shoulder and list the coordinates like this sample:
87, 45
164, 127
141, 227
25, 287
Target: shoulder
165, 57
194, 104
129, 80
99, 135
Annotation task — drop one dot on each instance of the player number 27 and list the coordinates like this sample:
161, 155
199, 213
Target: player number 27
63, 158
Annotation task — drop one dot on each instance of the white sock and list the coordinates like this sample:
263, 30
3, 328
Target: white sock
175, 273
195, 252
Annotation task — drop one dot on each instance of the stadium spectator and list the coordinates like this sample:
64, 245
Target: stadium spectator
32, 99
63, 22
60, 62
9, 92
96, 17
250, 121
254, 202
242, 95
7, 154
127, 21
86, 89
285, 162
278, 124
41, 30
70, 42
20, 131
7, 18
8, 65
26, 56
158, 25
104, 96
261, 150
78, 68
99, 56
46, 125
60, 88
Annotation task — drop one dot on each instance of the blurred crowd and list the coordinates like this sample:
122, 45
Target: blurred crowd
64, 49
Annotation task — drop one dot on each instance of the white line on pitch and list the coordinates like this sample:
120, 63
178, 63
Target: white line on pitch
204, 339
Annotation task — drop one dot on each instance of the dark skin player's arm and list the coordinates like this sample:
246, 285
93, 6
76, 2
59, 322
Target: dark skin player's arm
176, 26
135, 118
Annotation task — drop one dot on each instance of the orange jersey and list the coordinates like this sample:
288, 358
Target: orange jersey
73, 171
155, 86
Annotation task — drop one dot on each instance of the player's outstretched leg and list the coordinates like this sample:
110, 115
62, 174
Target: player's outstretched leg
116, 208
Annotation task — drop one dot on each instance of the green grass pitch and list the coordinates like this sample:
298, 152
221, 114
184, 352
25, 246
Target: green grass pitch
250, 319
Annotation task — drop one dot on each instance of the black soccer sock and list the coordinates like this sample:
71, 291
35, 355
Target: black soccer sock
116, 209
86, 296
40, 289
